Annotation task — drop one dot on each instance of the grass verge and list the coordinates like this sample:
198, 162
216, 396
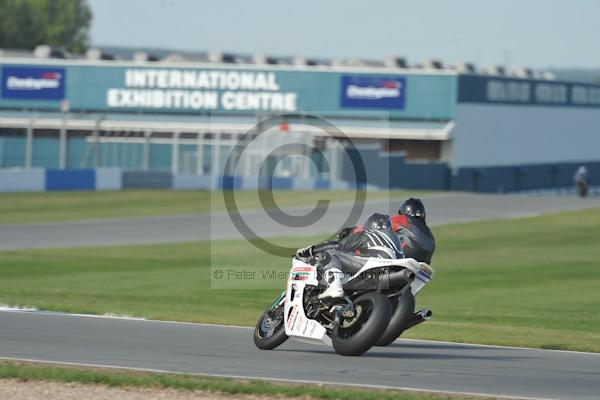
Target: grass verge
126, 378
529, 282
17, 208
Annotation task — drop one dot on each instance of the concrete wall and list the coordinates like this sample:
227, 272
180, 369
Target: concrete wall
39, 180
109, 179
395, 173
32, 180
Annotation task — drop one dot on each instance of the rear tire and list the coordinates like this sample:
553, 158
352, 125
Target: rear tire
402, 314
270, 329
354, 337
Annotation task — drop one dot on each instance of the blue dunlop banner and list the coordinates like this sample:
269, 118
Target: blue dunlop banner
33, 83
479, 89
360, 91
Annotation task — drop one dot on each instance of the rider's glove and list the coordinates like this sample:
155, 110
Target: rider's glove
304, 252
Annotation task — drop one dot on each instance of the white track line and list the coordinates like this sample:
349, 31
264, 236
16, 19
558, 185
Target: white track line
312, 382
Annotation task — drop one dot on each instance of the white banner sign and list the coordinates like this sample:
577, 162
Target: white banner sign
201, 90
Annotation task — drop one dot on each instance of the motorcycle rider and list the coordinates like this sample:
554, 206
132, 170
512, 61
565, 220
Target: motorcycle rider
581, 176
581, 181
349, 253
411, 227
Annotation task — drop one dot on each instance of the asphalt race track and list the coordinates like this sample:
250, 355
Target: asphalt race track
229, 351
443, 208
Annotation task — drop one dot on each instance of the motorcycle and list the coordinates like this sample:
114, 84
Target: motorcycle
582, 189
378, 306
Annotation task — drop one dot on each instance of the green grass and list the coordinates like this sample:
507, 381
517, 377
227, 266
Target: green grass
123, 378
18, 208
528, 282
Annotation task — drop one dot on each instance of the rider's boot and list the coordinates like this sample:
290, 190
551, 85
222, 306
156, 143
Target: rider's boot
335, 290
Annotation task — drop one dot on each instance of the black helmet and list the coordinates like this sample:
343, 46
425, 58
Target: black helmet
413, 208
378, 222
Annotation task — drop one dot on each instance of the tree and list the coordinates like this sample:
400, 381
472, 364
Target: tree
25, 24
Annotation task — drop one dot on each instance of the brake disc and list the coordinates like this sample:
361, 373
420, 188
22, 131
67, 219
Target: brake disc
347, 323
269, 325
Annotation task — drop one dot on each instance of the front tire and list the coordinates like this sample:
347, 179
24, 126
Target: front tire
270, 329
356, 336
403, 311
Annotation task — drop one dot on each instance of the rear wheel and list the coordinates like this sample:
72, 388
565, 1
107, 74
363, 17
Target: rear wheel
354, 336
270, 329
403, 311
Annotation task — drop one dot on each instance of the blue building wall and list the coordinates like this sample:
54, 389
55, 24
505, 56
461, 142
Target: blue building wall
396, 173
12, 152
45, 152
393, 171
81, 153
522, 177
507, 122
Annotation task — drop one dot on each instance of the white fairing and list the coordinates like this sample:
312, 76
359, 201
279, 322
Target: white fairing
297, 325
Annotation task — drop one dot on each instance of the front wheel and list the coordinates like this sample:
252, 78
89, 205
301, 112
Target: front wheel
353, 337
403, 311
270, 329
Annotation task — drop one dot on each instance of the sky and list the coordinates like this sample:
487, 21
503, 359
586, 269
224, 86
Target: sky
533, 33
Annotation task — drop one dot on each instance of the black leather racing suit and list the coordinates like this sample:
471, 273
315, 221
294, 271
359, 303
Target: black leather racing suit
416, 237
350, 253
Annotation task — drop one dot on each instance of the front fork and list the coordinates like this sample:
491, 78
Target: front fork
277, 302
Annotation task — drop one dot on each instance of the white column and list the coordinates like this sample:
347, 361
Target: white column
175, 153
62, 155
96, 148
215, 168
200, 155
146, 159
29, 145
248, 156
334, 167
264, 151
124, 158
134, 156
305, 166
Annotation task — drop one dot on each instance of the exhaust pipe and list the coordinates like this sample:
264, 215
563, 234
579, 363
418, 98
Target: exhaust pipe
408, 275
398, 279
419, 317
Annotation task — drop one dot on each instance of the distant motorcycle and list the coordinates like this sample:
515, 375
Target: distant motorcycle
582, 189
378, 307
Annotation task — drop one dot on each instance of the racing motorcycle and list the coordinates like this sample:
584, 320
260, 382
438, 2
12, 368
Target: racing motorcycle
378, 306
582, 188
